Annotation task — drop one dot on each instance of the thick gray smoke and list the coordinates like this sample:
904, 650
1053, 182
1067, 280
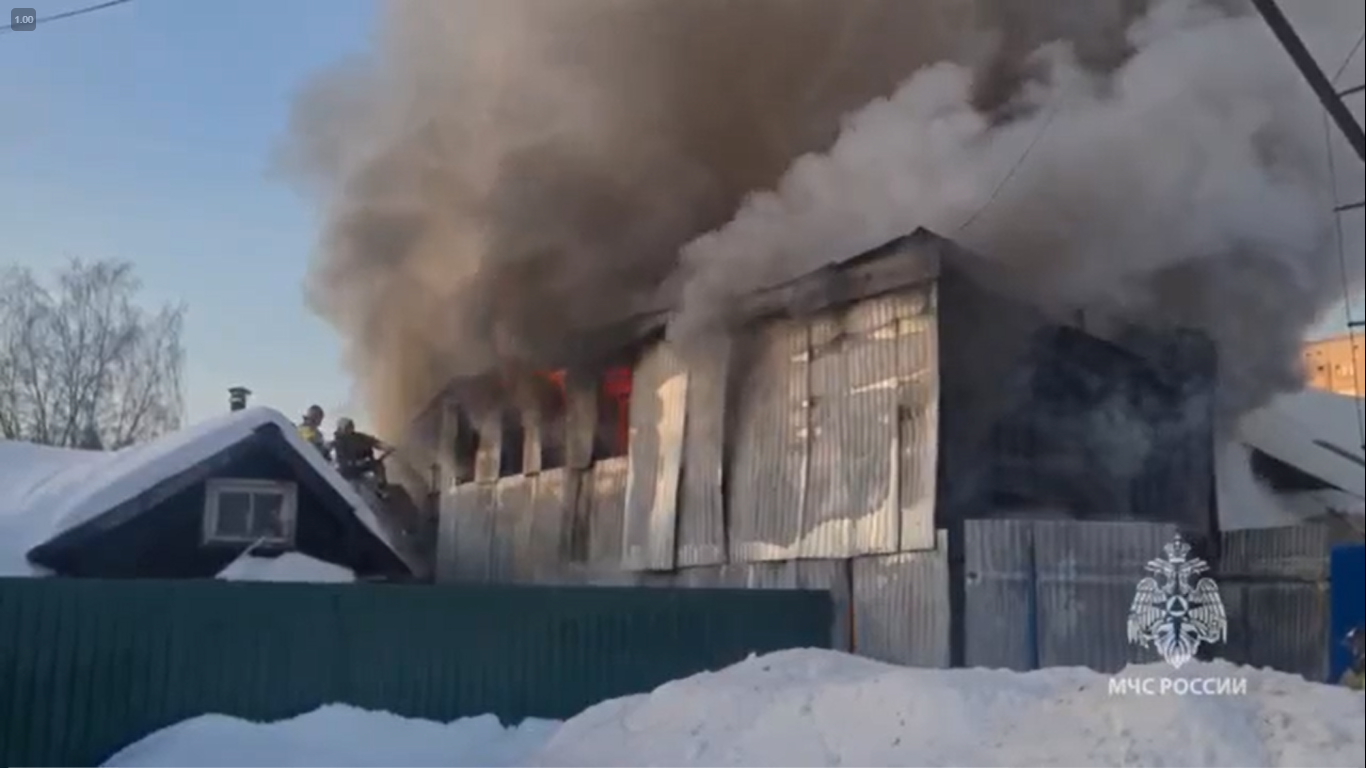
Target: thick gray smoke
1187, 187
502, 172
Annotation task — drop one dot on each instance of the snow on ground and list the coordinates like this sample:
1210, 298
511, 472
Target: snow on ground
45, 491
290, 566
809, 707
812, 708
336, 736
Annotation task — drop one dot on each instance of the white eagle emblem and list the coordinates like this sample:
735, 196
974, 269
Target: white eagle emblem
1172, 615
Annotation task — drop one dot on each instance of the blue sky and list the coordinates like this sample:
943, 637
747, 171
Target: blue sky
144, 132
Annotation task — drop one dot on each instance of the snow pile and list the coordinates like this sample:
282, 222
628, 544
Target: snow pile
822, 708
290, 566
340, 736
45, 491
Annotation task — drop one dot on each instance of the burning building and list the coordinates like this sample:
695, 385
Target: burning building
861, 412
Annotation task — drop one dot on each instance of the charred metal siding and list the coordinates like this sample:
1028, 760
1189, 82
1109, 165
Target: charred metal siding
659, 400
902, 608
917, 419
851, 502
771, 445
1275, 587
603, 506
511, 511
701, 500
547, 553
467, 533
836, 435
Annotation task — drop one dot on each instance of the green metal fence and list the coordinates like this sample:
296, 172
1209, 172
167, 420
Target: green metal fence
88, 667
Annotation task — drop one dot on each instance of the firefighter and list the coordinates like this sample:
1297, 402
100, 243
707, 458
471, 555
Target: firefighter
359, 454
310, 429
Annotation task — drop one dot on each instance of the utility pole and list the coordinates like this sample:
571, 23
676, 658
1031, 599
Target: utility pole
1323, 87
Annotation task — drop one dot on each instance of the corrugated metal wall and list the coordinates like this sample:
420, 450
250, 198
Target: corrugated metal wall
659, 400
831, 576
835, 448
701, 500
88, 667
902, 607
918, 418
1274, 583
771, 449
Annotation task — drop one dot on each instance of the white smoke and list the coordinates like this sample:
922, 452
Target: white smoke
1188, 187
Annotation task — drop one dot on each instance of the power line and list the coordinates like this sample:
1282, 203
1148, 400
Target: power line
995, 193
1347, 61
73, 14
1353, 91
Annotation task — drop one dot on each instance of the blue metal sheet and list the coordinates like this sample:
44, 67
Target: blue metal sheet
1348, 596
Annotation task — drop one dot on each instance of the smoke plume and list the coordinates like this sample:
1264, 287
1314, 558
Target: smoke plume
1188, 187
498, 175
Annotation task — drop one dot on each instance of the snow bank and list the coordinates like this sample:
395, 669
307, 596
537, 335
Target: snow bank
339, 736
810, 707
290, 566
44, 491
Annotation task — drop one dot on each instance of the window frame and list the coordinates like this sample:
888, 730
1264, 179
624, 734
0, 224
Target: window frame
213, 492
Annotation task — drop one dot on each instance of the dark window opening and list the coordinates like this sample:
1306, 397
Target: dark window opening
553, 410
466, 447
512, 460
612, 438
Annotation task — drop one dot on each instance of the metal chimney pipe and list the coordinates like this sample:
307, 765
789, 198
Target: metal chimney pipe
237, 398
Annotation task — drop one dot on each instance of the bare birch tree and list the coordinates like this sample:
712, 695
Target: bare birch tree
82, 364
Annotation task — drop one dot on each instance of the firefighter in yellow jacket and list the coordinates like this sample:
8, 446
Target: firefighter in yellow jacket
310, 429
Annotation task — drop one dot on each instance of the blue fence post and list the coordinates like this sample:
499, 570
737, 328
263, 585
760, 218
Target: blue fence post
1347, 595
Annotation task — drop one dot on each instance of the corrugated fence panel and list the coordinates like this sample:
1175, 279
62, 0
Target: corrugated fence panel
902, 609
999, 600
659, 400
852, 505
467, 515
1275, 587
1296, 552
606, 501
701, 501
918, 418
511, 534
1087, 575
1349, 603
88, 667
771, 448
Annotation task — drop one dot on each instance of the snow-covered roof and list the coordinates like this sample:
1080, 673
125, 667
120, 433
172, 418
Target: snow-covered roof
45, 492
1317, 433
290, 566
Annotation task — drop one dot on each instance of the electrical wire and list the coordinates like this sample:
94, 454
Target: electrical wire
1350, 56
72, 14
995, 193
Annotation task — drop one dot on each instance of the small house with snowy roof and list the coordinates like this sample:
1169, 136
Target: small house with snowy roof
191, 504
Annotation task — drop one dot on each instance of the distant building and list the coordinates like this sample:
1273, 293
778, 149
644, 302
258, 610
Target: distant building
1336, 365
